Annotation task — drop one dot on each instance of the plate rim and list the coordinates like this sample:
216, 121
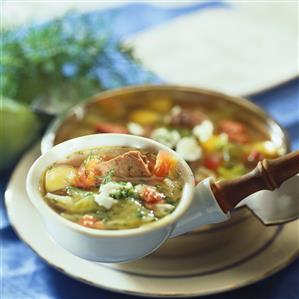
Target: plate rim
62, 269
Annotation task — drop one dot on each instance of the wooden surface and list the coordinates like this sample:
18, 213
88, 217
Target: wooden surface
268, 175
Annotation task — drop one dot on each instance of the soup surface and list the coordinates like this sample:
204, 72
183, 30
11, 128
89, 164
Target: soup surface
214, 140
113, 187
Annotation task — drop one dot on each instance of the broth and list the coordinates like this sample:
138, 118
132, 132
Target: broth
113, 187
212, 138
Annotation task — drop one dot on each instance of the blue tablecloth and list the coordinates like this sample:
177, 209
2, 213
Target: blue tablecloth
26, 276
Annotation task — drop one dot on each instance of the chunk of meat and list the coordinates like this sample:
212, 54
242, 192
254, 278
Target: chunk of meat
236, 131
105, 127
187, 118
130, 164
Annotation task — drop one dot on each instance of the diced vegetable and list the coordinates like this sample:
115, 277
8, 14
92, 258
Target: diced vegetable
82, 201
204, 131
267, 148
189, 149
113, 191
215, 143
135, 129
77, 193
64, 202
162, 105
231, 172
212, 161
127, 214
87, 173
164, 164
236, 131
171, 188
145, 117
163, 209
152, 196
59, 177
124, 190
167, 137
92, 222
85, 205
233, 152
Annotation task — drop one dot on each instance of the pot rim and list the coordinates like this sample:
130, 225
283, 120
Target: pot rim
49, 136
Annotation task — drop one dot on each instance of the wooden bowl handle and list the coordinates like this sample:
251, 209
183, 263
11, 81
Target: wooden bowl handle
268, 175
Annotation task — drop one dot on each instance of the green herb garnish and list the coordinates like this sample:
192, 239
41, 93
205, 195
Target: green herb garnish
108, 177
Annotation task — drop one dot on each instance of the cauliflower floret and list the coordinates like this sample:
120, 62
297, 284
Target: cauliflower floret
204, 131
103, 198
167, 137
189, 149
110, 192
135, 129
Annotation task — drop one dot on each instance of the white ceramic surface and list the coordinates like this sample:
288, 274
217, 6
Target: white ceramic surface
191, 265
103, 245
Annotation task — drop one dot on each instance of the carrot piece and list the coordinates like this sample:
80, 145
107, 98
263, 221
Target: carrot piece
92, 222
164, 163
87, 174
236, 131
212, 161
152, 196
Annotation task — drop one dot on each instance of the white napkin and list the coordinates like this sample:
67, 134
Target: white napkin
241, 49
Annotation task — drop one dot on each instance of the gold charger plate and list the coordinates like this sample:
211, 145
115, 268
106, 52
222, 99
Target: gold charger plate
207, 261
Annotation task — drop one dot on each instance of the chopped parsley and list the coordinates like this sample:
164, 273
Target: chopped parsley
108, 177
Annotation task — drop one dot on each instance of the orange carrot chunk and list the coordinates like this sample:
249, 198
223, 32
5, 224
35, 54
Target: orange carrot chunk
164, 163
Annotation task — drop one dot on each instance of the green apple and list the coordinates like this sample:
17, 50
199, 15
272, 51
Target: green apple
18, 127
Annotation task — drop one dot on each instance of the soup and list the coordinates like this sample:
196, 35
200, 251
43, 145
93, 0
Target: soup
113, 187
213, 139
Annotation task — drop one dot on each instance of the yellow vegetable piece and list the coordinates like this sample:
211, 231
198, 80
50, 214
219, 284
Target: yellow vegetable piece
267, 148
144, 117
162, 105
59, 177
215, 143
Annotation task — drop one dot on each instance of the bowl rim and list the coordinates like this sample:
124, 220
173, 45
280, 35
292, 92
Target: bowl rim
48, 138
45, 160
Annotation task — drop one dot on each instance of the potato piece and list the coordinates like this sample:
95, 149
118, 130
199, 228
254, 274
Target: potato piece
145, 117
215, 143
268, 149
59, 177
162, 105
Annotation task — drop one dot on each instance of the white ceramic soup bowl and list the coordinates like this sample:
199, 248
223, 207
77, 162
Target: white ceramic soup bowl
197, 206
